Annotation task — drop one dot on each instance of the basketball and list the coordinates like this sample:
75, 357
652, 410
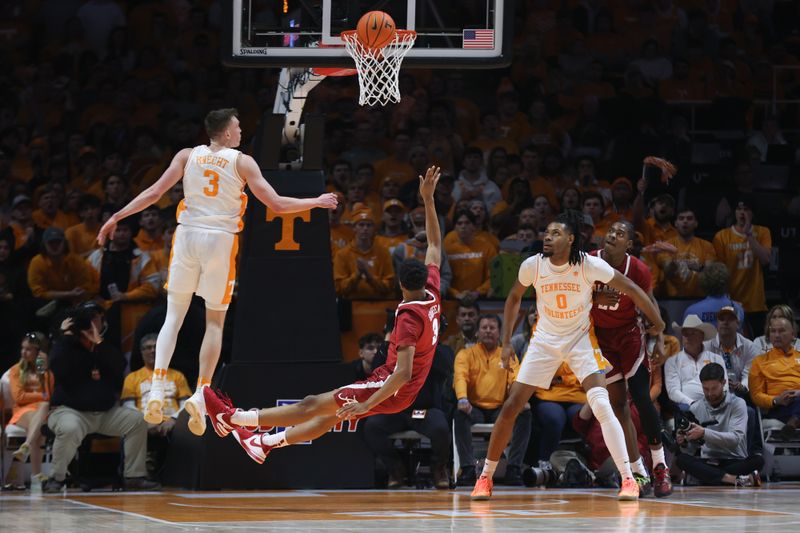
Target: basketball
376, 29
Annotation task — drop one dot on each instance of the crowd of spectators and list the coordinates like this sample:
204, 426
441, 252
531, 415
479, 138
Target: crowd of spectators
98, 94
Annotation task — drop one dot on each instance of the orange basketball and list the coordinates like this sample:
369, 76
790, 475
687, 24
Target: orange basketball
376, 29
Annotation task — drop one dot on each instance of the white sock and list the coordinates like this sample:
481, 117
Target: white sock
488, 468
277, 440
247, 419
638, 467
658, 457
597, 397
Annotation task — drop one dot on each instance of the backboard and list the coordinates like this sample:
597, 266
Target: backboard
305, 33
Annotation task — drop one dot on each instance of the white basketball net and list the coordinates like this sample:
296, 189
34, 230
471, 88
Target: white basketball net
379, 68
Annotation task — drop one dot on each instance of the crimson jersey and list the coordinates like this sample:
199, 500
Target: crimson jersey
417, 324
624, 313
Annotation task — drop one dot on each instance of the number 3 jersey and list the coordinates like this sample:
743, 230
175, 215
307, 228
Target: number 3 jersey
416, 324
564, 293
213, 191
624, 312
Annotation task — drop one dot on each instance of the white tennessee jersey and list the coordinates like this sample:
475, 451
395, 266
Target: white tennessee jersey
213, 191
564, 293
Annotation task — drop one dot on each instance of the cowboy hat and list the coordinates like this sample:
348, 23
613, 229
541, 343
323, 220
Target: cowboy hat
694, 322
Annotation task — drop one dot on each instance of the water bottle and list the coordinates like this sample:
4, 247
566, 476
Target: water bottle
41, 364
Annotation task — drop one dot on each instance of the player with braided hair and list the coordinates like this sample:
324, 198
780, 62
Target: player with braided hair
564, 278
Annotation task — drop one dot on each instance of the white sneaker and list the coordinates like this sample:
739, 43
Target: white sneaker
153, 413
196, 407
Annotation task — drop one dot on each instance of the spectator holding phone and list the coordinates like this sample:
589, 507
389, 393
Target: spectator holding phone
129, 283
31, 388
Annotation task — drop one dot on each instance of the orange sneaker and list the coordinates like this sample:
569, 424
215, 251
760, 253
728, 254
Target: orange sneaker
483, 489
629, 490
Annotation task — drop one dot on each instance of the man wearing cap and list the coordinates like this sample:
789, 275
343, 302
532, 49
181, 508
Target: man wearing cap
737, 350
392, 233
363, 268
775, 376
682, 371
56, 274
745, 249
682, 267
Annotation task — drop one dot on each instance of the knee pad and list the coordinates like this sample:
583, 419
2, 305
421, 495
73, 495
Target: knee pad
597, 397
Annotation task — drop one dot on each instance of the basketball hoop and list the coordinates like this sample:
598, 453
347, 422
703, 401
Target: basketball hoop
379, 68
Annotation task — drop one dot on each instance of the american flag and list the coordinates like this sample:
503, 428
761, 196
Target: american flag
479, 39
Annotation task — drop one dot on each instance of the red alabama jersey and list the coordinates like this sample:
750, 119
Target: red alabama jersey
624, 313
417, 324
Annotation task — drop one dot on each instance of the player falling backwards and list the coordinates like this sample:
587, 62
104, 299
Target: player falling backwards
619, 335
203, 257
564, 278
390, 388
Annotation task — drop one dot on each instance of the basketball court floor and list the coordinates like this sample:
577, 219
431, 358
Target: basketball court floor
769, 508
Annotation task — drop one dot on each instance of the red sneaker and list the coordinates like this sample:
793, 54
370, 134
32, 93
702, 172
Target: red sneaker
662, 484
251, 442
483, 489
219, 408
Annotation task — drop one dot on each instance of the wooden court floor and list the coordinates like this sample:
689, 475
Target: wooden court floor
771, 508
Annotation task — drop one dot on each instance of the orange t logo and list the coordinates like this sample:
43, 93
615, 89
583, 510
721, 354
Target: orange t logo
287, 241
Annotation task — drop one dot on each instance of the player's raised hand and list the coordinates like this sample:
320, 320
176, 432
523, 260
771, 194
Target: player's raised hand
427, 183
107, 231
656, 329
327, 201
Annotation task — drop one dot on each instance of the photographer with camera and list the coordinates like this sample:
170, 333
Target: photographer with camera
88, 379
718, 424
31, 388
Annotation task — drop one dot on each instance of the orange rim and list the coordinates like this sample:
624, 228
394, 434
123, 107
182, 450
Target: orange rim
401, 34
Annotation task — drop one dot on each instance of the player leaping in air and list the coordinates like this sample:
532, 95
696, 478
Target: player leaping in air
564, 278
203, 258
390, 388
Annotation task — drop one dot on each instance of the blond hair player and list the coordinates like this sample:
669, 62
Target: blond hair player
203, 258
564, 278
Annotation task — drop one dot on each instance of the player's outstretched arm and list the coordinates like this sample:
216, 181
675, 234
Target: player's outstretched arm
149, 196
624, 284
248, 169
427, 188
400, 376
510, 314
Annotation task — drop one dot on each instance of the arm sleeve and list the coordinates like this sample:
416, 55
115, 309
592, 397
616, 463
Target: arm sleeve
719, 246
758, 385
460, 373
344, 279
36, 279
21, 397
128, 390
673, 382
765, 237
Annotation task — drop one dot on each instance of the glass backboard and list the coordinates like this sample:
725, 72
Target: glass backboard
295, 33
